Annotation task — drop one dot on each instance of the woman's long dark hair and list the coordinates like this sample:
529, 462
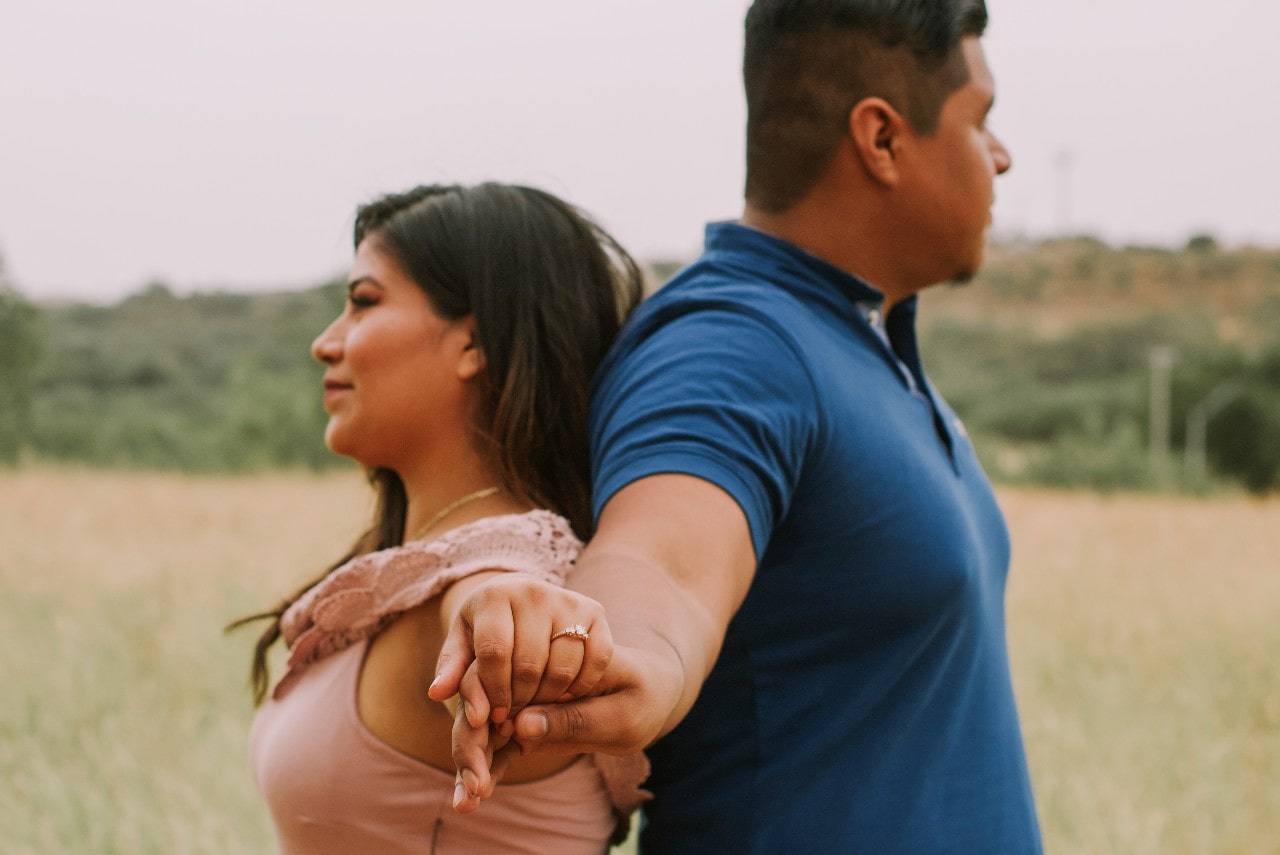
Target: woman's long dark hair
548, 289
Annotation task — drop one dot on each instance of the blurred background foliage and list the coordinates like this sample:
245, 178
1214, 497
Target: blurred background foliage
1049, 357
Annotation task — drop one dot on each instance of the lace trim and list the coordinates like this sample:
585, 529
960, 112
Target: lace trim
359, 598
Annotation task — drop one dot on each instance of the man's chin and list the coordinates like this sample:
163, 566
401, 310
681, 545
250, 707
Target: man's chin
966, 274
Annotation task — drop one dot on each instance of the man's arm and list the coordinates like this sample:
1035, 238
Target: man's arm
671, 562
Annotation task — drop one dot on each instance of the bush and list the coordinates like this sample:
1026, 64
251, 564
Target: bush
21, 346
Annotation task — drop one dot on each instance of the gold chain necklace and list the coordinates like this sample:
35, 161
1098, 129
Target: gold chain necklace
451, 507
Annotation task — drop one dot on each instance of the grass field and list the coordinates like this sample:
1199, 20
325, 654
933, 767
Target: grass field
1145, 635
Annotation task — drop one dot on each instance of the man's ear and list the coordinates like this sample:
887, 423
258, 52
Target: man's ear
877, 131
471, 360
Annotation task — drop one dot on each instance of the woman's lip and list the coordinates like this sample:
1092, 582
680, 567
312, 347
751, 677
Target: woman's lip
333, 390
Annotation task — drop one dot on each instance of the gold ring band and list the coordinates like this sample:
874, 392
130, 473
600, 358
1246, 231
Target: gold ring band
577, 631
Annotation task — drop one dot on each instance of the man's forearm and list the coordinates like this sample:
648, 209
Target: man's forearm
670, 563
650, 612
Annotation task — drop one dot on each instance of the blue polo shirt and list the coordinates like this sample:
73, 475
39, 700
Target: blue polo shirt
862, 699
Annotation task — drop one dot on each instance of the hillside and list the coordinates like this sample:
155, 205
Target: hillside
1046, 355
1055, 287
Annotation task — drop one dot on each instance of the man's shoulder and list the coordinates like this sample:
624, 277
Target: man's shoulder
716, 277
715, 290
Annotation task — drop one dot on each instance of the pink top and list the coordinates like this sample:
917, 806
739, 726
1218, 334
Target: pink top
333, 786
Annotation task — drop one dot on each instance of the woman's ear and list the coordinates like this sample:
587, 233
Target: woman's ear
877, 131
471, 360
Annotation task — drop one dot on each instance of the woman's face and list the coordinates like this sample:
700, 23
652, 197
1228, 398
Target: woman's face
396, 388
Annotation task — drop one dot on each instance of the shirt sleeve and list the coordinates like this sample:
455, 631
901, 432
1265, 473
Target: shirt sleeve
718, 393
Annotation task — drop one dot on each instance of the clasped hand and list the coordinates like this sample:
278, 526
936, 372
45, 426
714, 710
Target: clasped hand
520, 691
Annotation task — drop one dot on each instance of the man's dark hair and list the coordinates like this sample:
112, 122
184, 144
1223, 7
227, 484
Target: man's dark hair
808, 62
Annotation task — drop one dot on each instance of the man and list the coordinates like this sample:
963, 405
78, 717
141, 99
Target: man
801, 561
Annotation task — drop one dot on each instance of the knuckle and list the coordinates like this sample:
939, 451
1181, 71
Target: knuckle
534, 595
575, 724
561, 674
526, 671
492, 650
491, 596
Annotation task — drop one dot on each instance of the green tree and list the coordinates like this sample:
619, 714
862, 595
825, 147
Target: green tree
20, 349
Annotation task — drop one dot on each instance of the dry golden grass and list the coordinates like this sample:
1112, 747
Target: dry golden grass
1144, 634
124, 716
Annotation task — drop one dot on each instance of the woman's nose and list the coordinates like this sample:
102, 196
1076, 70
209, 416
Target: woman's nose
327, 347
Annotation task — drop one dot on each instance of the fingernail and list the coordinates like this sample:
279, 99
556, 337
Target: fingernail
471, 782
433, 683
499, 715
536, 725
459, 794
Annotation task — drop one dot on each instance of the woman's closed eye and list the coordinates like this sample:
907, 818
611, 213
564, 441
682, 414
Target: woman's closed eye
361, 294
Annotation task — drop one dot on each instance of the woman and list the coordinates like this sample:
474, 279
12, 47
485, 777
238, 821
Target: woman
457, 375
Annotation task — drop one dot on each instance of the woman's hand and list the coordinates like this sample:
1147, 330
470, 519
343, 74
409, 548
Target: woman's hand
524, 655
481, 752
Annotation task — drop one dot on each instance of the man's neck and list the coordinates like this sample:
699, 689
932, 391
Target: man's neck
847, 240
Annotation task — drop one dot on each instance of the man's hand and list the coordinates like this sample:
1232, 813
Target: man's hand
628, 710
630, 707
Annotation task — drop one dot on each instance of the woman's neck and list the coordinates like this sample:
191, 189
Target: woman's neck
453, 496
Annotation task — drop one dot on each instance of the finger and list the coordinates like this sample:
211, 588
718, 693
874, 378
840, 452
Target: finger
597, 653
471, 756
498, 767
464, 801
605, 723
564, 661
455, 656
493, 632
471, 792
473, 698
532, 646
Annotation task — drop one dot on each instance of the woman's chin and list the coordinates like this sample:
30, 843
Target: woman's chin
337, 442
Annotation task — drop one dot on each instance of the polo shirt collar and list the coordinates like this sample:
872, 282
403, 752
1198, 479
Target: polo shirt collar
737, 238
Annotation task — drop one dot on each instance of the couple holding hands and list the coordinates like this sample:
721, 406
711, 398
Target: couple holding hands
786, 628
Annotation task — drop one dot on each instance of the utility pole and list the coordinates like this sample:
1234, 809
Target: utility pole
1161, 358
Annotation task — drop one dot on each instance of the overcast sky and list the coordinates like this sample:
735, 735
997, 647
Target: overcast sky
225, 143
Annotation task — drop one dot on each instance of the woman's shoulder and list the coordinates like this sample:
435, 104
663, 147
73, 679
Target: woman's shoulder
359, 598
